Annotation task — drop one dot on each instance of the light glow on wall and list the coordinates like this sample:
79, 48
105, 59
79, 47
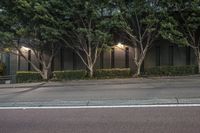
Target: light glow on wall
120, 45
25, 48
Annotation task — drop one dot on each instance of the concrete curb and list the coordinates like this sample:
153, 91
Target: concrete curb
102, 103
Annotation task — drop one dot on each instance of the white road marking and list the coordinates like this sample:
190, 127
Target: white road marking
102, 107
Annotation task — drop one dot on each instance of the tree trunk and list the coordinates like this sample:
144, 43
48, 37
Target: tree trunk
91, 72
46, 74
138, 70
139, 65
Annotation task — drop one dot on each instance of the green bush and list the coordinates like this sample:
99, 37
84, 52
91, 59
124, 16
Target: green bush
171, 70
69, 75
28, 76
2, 69
99, 74
112, 73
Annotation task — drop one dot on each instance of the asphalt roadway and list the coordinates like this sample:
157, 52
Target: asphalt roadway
21, 110
105, 120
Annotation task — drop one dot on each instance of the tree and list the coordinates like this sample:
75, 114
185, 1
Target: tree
184, 24
140, 21
88, 31
33, 24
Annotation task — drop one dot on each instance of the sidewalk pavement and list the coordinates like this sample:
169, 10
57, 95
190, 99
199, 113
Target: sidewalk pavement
90, 103
151, 91
100, 81
77, 83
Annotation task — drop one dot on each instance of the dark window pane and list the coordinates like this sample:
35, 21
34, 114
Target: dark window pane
188, 56
29, 58
102, 60
18, 62
62, 59
127, 57
157, 55
74, 61
171, 55
112, 58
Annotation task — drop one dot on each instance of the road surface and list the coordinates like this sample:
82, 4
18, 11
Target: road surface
105, 120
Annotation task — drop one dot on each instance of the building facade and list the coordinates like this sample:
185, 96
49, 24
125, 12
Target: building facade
120, 56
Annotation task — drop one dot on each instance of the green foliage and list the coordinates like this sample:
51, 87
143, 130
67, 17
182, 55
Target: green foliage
171, 70
27, 76
88, 25
112, 73
69, 75
99, 74
169, 31
89, 29
182, 25
35, 24
2, 69
138, 19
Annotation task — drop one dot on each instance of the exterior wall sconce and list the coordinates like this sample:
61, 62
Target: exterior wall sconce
23, 48
120, 45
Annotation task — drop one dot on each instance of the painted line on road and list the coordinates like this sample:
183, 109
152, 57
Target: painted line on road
99, 107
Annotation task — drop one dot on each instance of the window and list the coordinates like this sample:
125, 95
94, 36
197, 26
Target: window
40, 65
112, 58
52, 65
74, 61
102, 60
29, 58
18, 62
171, 55
126, 57
157, 55
188, 56
62, 59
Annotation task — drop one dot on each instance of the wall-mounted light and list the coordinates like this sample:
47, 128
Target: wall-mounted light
23, 48
120, 45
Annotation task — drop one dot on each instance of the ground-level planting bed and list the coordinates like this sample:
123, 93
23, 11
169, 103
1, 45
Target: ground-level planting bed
27, 76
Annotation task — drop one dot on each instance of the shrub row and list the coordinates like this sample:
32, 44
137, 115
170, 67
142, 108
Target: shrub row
27, 76
171, 70
24, 76
99, 74
2, 69
112, 73
69, 75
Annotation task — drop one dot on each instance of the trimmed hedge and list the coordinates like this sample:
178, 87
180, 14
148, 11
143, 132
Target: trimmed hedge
113, 73
2, 69
171, 70
27, 76
98, 74
69, 75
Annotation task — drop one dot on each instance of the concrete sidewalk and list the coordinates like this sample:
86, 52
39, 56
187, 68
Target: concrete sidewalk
165, 90
173, 101
78, 83
102, 81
